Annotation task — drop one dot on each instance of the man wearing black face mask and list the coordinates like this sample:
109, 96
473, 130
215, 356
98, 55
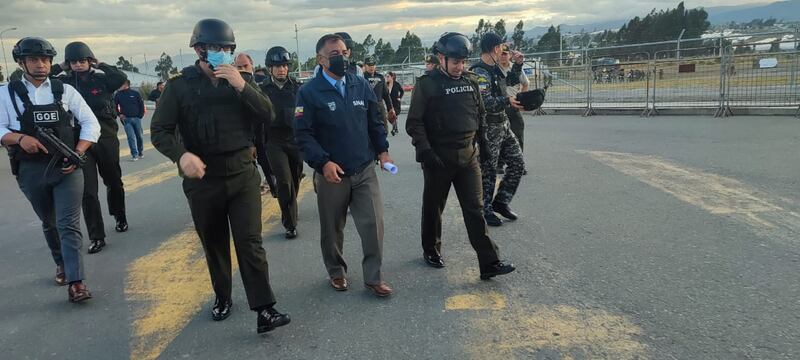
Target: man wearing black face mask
98, 88
340, 135
498, 139
214, 109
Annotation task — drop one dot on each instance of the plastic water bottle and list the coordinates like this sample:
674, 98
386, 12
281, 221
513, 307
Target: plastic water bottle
391, 168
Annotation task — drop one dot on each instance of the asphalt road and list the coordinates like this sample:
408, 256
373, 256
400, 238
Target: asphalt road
640, 238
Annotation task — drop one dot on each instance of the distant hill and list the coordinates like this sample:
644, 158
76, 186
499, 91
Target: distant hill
781, 10
189, 57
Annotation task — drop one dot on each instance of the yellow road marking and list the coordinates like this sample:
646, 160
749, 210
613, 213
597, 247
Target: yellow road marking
124, 136
498, 327
483, 301
172, 284
566, 330
150, 176
125, 151
716, 194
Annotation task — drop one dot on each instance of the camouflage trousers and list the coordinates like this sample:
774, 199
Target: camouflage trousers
502, 145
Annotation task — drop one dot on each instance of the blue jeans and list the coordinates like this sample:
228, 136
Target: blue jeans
133, 128
56, 200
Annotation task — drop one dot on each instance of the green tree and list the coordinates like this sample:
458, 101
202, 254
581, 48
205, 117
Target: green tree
384, 52
410, 49
518, 37
551, 40
125, 64
310, 63
164, 67
500, 28
484, 26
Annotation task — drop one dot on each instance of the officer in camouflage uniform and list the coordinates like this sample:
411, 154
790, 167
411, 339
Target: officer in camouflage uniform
499, 140
445, 116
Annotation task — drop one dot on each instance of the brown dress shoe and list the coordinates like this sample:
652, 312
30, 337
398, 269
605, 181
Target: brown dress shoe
61, 277
78, 292
339, 284
380, 290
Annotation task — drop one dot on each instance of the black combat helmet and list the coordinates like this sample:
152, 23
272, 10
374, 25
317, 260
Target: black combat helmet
277, 55
453, 45
212, 32
489, 41
77, 50
33, 46
348, 41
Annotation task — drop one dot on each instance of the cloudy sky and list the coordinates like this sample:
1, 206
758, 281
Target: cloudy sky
135, 28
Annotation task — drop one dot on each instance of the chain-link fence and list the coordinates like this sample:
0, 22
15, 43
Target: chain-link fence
720, 74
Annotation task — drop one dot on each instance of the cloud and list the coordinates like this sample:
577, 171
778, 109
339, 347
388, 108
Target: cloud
149, 27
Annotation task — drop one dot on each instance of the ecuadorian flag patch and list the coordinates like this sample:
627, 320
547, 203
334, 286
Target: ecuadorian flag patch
298, 112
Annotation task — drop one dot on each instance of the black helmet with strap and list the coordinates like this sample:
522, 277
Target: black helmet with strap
348, 41
278, 55
77, 50
33, 46
453, 45
212, 32
489, 41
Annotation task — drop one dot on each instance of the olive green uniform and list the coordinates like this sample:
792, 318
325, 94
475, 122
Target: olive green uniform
445, 116
216, 123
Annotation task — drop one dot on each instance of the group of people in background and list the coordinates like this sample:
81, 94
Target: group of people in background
218, 118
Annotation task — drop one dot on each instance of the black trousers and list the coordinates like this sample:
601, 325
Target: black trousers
468, 185
287, 165
263, 161
103, 158
517, 125
232, 202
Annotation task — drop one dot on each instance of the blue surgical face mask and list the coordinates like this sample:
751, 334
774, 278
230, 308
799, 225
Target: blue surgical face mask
217, 58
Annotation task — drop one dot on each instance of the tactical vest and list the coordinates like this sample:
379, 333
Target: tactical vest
215, 121
94, 90
50, 116
452, 109
497, 80
283, 101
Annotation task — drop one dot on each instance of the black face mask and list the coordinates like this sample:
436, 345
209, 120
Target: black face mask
337, 65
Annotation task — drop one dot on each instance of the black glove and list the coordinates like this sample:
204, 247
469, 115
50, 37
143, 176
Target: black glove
431, 160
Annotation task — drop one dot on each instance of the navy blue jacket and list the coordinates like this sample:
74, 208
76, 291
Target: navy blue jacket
345, 130
130, 103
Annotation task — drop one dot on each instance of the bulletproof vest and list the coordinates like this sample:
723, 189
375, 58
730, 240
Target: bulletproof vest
50, 116
283, 101
453, 108
215, 121
497, 80
94, 90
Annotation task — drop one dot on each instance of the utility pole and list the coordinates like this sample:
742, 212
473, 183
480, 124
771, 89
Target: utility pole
679, 43
297, 50
146, 68
180, 56
6, 74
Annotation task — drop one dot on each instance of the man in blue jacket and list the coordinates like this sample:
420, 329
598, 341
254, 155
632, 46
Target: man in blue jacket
340, 135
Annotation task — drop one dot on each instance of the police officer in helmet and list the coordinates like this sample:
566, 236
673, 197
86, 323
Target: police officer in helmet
214, 109
444, 120
282, 151
98, 88
52, 184
499, 140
